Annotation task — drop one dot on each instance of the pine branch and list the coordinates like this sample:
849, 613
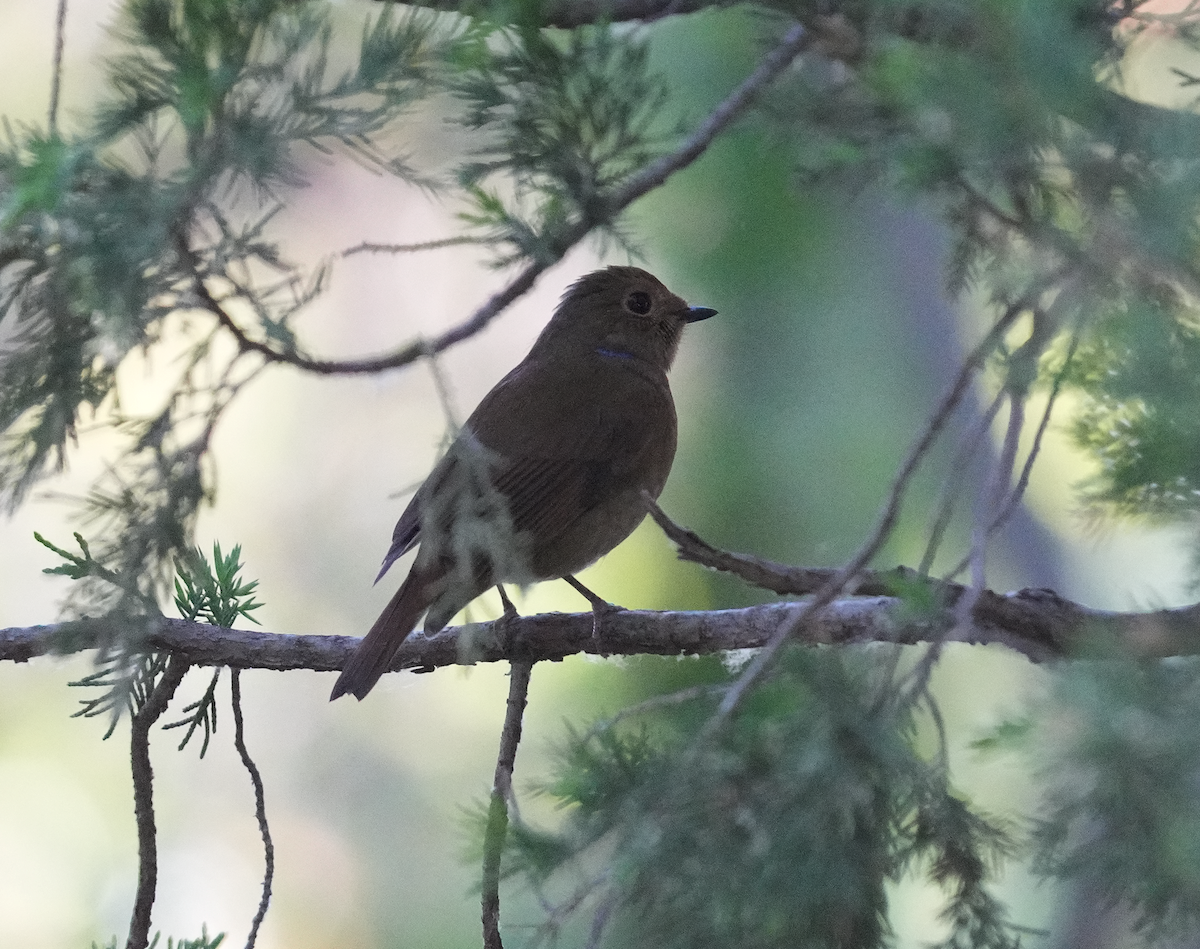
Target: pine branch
1173, 131
608, 210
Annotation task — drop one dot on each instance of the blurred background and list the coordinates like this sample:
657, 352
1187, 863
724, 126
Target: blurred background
796, 404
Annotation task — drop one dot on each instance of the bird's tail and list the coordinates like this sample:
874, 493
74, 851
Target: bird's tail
379, 647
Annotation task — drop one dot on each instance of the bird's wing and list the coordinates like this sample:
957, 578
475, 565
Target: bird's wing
568, 437
560, 439
405, 535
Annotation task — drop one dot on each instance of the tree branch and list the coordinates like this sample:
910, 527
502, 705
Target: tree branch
368, 247
1036, 623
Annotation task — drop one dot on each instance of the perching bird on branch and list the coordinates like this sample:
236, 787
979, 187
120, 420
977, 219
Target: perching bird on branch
547, 474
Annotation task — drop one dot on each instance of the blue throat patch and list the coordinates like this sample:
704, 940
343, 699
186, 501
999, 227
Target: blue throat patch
614, 353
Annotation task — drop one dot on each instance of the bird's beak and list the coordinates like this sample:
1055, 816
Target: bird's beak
697, 313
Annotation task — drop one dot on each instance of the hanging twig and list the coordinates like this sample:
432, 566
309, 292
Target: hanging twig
60, 42
260, 807
655, 702
143, 798
956, 480
600, 920
987, 511
1018, 491
497, 820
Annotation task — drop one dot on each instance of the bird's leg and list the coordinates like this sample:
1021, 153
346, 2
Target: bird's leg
599, 604
509, 610
600, 607
502, 626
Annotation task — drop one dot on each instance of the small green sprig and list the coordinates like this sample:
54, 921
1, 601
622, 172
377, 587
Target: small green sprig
214, 592
127, 680
84, 566
77, 567
199, 714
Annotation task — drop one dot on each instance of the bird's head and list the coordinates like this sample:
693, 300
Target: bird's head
623, 313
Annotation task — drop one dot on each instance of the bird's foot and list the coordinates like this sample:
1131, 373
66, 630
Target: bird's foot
600, 608
509, 610
503, 626
599, 611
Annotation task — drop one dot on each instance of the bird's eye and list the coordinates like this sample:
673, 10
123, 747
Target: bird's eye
638, 302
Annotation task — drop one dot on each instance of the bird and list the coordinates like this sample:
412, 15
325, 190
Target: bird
546, 475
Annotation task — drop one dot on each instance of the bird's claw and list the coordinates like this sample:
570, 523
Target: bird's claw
600, 609
503, 625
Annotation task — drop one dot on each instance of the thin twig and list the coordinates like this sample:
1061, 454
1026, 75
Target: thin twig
557, 914
993, 496
756, 571
990, 207
366, 247
260, 807
883, 527
939, 724
956, 479
988, 509
600, 920
679, 697
60, 42
497, 822
143, 798
775, 62
1018, 492
1019, 489
445, 394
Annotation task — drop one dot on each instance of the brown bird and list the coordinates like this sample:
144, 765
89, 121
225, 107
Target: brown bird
546, 476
